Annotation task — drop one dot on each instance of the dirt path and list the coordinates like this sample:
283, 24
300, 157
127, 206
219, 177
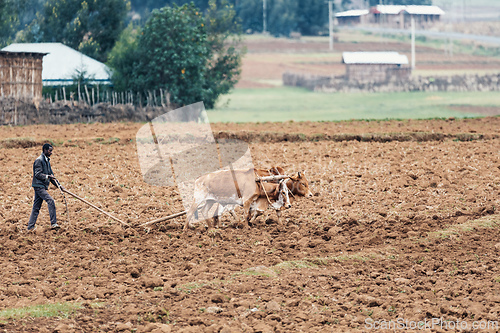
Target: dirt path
396, 230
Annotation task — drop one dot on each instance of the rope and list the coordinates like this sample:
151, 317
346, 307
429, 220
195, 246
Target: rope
291, 191
268, 200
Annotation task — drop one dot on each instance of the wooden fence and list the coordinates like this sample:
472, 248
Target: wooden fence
15, 111
95, 94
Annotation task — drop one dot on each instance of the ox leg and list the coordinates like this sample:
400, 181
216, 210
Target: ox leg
203, 208
254, 214
204, 211
278, 212
258, 213
215, 218
190, 213
235, 216
266, 216
211, 221
246, 209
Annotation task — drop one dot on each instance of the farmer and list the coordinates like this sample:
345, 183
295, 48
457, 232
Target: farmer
42, 175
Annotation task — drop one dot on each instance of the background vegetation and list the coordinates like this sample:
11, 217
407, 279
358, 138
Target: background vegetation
90, 26
93, 26
191, 56
146, 49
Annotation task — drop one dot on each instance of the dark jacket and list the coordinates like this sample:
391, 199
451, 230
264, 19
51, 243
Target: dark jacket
40, 171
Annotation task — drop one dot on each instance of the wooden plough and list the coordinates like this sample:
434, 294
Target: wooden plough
91, 205
63, 190
257, 179
166, 218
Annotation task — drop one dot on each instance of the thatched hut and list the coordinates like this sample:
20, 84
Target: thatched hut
21, 75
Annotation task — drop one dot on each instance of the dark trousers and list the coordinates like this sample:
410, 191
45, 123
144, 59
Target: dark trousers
42, 195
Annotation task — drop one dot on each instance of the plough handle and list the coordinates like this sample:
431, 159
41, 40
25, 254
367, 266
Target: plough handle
91, 205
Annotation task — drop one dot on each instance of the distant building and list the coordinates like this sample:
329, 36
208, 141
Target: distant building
62, 63
21, 75
376, 66
400, 16
352, 17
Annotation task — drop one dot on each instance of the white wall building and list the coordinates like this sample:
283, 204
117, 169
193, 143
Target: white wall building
62, 63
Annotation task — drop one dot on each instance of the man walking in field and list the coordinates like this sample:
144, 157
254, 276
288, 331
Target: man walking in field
42, 175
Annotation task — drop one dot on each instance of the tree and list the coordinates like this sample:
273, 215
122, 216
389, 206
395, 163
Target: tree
11, 14
5, 22
250, 13
346, 4
282, 17
312, 16
308, 17
15, 15
27, 11
224, 39
180, 51
173, 54
91, 26
123, 58
144, 7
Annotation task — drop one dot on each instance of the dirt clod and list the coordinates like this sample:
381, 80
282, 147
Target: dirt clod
152, 282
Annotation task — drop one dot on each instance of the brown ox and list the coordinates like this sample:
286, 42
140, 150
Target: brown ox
270, 200
233, 187
297, 185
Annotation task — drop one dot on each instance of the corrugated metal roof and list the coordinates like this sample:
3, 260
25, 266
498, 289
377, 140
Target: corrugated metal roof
354, 12
31, 54
424, 10
389, 9
413, 10
62, 62
390, 58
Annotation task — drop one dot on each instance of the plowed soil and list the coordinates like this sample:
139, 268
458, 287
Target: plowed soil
397, 231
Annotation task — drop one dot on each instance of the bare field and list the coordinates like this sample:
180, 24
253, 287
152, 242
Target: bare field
396, 230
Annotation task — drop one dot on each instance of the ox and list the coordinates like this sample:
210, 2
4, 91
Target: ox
233, 187
264, 199
297, 185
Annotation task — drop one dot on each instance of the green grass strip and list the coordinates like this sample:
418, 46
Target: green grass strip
295, 264
63, 310
290, 103
457, 230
